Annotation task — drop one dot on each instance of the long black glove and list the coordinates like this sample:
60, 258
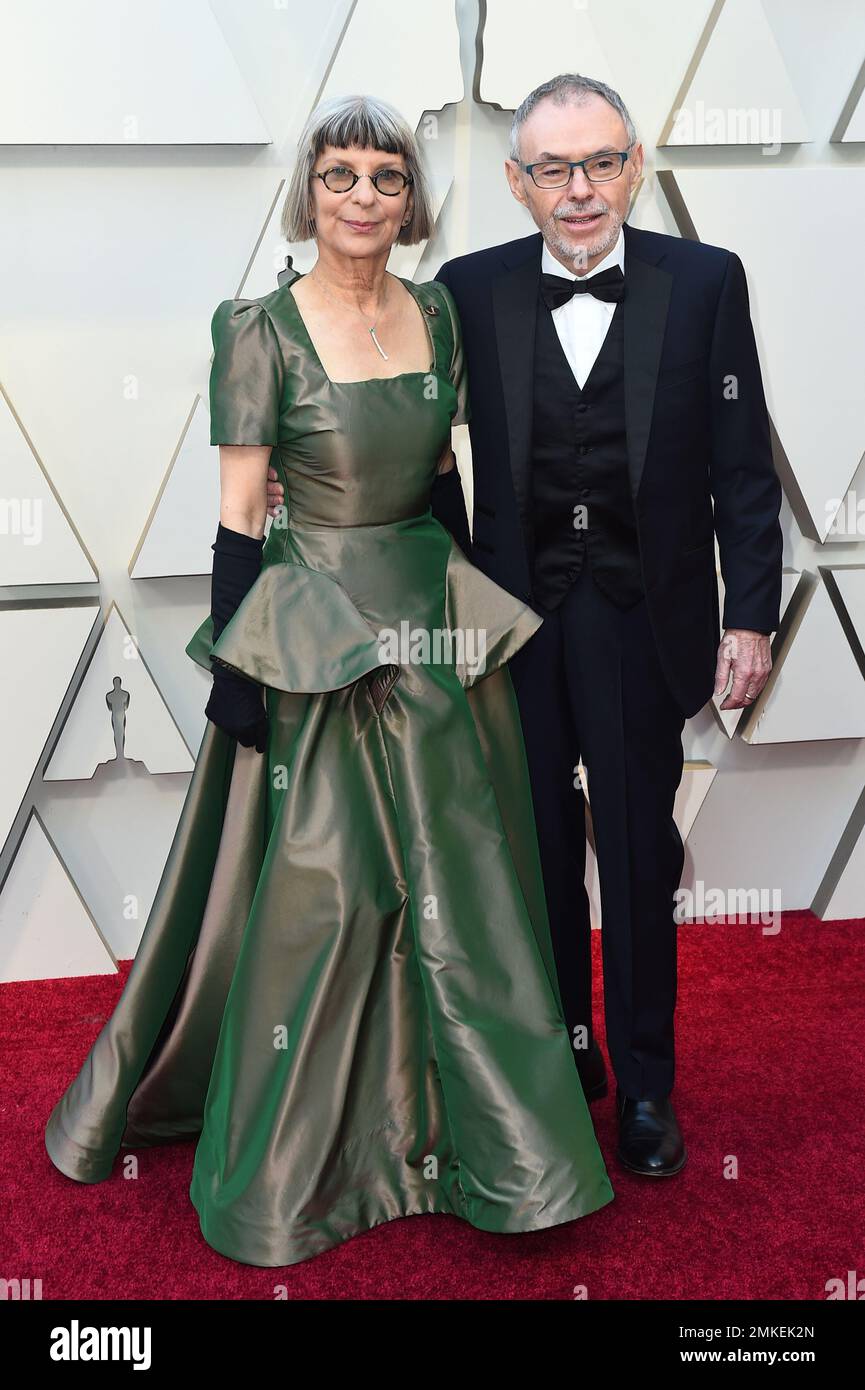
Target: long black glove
235, 702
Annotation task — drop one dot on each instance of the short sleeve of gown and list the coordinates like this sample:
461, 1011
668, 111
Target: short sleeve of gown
458, 374
246, 376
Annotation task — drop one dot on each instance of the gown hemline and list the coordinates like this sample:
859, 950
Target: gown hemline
62, 1150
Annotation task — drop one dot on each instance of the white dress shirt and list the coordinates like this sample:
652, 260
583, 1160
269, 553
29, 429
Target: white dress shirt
583, 321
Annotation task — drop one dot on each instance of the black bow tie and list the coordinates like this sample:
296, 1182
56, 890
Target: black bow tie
609, 285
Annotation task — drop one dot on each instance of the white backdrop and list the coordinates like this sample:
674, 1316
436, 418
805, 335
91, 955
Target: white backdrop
145, 151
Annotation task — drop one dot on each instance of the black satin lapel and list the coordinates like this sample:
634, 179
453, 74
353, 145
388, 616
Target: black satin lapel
515, 300
646, 303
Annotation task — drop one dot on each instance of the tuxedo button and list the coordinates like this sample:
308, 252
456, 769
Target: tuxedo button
583, 449
582, 409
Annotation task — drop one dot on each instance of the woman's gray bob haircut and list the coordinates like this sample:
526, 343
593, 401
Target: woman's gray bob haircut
355, 122
568, 86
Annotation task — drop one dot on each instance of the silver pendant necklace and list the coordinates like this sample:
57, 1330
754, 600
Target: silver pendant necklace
370, 327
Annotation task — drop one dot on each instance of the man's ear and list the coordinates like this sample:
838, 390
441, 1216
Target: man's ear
514, 176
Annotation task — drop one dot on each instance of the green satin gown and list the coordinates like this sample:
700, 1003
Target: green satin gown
345, 990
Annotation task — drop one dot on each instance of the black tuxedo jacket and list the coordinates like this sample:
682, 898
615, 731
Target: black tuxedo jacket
697, 433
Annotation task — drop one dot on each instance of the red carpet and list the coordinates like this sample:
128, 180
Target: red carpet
770, 1075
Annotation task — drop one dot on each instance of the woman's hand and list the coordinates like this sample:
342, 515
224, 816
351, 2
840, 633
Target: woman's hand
235, 705
235, 702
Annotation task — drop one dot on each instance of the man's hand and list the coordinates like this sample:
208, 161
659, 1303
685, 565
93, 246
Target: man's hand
275, 492
749, 656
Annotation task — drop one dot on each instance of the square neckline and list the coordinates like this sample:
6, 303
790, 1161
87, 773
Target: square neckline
365, 381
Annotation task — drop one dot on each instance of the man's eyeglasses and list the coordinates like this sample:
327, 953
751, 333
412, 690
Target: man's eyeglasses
390, 182
599, 168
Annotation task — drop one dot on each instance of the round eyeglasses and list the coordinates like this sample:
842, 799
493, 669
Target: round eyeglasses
390, 182
556, 173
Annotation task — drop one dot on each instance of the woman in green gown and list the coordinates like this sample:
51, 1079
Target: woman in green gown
345, 989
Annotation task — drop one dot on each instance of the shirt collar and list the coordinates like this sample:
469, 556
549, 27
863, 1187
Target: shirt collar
616, 256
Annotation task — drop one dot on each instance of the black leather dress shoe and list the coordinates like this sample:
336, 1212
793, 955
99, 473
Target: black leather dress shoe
593, 1073
650, 1140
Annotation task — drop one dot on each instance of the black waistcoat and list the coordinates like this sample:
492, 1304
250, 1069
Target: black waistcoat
579, 460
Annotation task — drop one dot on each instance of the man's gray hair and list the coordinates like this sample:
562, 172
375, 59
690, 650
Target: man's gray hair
355, 122
568, 86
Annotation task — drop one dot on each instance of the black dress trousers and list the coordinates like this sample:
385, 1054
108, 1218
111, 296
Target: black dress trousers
589, 684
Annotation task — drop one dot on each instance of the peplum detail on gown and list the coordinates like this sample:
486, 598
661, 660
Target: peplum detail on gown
296, 630
299, 630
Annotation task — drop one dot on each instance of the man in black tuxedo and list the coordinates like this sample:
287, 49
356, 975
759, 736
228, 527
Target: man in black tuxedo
615, 392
